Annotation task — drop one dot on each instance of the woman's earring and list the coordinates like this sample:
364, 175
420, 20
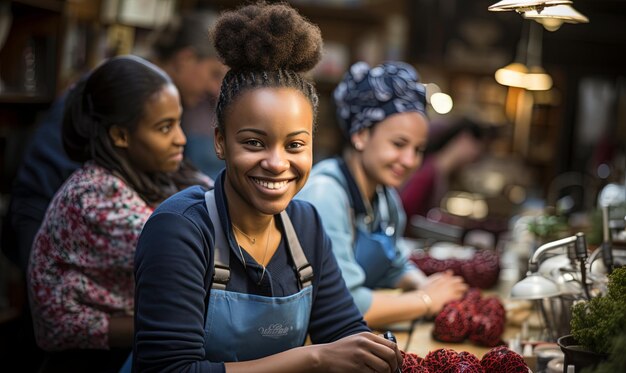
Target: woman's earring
358, 146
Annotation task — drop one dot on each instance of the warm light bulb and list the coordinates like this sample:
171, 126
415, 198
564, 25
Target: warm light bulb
441, 102
550, 24
460, 205
512, 75
538, 80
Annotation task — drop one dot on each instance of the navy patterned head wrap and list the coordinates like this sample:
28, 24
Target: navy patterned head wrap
366, 96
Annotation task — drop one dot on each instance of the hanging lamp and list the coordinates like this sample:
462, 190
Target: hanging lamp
553, 17
526, 72
536, 79
521, 6
514, 74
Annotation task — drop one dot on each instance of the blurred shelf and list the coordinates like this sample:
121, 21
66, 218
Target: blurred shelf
53, 5
24, 98
363, 14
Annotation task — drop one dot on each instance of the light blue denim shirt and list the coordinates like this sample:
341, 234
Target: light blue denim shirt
327, 190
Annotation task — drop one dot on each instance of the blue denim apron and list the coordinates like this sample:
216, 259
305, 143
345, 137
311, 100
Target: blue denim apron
241, 326
374, 242
375, 252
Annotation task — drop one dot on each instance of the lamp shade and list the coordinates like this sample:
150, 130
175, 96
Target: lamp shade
535, 286
512, 75
537, 79
525, 5
553, 17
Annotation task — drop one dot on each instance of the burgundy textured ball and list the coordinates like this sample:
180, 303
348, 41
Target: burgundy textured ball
472, 296
469, 368
482, 270
492, 306
452, 324
443, 360
486, 330
468, 357
480, 319
469, 363
412, 363
502, 360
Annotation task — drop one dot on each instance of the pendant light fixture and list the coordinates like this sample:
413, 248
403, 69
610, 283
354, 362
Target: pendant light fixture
514, 74
521, 6
537, 79
526, 71
553, 17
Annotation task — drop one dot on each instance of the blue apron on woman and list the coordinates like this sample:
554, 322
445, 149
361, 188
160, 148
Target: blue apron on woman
239, 326
374, 250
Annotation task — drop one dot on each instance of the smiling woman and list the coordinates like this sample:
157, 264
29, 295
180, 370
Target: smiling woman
252, 274
382, 111
270, 162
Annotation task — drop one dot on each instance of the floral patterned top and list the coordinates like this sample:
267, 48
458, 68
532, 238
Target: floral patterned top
81, 265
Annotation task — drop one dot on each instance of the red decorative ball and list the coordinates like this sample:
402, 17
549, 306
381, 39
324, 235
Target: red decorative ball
443, 360
480, 319
486, 330
503, 360
472, 296
482, 270
412, 363
492, 307
468, 357
452, 324
469, 363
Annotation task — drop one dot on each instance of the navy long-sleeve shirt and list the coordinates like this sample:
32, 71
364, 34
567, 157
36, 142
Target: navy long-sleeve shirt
174, 268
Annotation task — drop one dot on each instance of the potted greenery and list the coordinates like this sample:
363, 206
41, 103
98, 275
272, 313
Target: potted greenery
596, 326
547, 227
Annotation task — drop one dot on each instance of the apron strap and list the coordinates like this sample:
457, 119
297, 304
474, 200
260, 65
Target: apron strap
221, 270
305, 271
388, 221
387, 225
221, 254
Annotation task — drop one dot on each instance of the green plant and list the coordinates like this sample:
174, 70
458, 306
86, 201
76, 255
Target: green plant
547, 226
597, 322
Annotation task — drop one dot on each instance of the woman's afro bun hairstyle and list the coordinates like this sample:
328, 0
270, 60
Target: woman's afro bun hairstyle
267, 37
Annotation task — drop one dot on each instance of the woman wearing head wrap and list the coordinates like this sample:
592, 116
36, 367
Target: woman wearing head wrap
382, 112
235, 278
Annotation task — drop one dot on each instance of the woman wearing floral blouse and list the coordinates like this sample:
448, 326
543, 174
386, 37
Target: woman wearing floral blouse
123, 123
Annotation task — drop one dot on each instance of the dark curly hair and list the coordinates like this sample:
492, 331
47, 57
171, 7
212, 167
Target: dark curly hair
265, 45
115, 93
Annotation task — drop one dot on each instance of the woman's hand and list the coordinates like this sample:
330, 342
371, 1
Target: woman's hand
443, 288
363, 352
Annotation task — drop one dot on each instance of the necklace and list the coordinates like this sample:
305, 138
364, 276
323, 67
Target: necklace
251, 239
267, 244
